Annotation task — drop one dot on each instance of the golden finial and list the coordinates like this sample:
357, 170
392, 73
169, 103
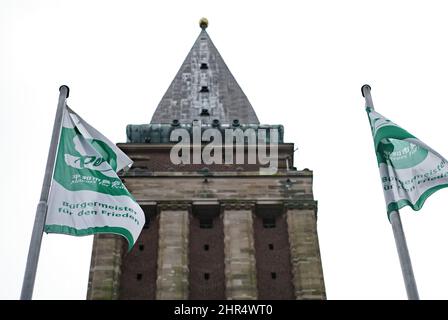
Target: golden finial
203, 23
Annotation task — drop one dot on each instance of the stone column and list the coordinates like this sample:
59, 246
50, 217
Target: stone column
240, 270
307, 271
172, 261
105, 267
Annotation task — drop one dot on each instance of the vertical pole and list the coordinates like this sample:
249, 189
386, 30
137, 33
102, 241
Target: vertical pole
403, 254
397, 228
41, 211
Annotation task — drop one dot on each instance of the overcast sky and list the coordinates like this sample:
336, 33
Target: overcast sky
301, 64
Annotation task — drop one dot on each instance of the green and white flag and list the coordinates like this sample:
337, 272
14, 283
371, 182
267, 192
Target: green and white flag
86, 195
410, 170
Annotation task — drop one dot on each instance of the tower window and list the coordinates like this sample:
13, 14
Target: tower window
273, 275
206, 247
271, 246
204, 89
204, 66
206, 223
139, 276
269, 222
206, 276
141, 247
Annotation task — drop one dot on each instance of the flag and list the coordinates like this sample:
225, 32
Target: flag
410, 170
86, 195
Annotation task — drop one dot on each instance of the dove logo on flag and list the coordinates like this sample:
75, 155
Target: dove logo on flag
92, 162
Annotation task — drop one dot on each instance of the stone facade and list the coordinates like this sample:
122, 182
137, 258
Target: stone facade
172, 272
241, 280
238, 204
105, 269
308, 277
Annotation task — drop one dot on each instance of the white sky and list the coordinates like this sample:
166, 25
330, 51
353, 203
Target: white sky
301, 64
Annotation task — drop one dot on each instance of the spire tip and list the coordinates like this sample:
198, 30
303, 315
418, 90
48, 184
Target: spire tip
203, 23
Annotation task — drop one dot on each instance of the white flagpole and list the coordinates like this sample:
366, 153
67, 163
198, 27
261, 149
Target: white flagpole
400, 239
41, 211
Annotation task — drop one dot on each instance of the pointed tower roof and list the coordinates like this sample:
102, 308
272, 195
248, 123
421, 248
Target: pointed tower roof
204, 89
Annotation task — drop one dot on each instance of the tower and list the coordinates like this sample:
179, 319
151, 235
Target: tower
227, 229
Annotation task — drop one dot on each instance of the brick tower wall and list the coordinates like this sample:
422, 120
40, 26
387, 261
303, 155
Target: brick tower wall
206, 278
272, 253
139, 266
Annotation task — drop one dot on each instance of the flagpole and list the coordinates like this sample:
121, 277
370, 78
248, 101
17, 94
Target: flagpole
397, 227
41, 211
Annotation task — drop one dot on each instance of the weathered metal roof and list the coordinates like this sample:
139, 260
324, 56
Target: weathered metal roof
204, 89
